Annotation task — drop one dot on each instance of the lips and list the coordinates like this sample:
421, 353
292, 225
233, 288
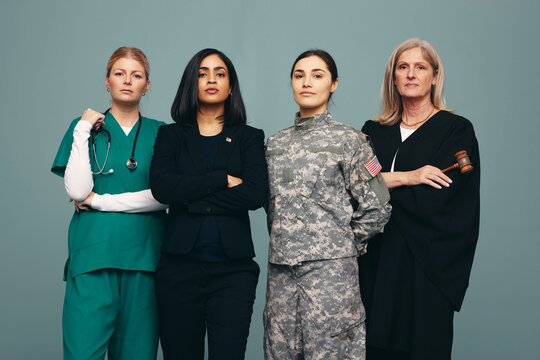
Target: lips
211, 90
126, 91
307, 93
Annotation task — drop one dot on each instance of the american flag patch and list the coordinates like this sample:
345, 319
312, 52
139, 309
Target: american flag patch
228, 139
373, 167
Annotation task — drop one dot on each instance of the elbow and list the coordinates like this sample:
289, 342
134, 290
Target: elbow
157, 190
387, 211
159, 194
259, 199
77, 194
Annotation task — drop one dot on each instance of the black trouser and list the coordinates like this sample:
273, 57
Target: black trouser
383, 354
195, 297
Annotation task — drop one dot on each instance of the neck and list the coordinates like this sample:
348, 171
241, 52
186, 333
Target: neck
209, 120
125, 114
416, 111
312, 111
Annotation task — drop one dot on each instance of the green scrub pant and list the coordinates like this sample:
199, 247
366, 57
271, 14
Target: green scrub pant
110, 309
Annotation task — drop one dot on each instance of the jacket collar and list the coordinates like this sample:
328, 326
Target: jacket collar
307, 123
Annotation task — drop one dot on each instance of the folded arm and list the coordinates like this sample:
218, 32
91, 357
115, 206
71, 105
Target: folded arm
250, 194
167, 186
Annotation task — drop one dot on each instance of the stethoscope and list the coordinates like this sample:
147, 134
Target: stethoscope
131, 163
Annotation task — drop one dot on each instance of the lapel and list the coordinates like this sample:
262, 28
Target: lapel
424, 128
225, 147
386, 142
194, 146
418, 148
423, 133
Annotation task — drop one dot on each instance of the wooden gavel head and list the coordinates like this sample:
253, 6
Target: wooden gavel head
463, 163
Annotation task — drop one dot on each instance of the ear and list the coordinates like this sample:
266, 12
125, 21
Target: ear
147, 86
434, 81
334, 85
107, 83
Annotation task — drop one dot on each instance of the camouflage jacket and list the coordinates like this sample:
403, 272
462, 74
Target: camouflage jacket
324, 202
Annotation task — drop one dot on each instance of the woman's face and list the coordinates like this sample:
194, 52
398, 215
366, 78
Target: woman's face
414, 75
214, 85
127, 81
312, 85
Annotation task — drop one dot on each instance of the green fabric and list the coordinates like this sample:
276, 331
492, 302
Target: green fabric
378, 186
98, 240
288, 175
110, 310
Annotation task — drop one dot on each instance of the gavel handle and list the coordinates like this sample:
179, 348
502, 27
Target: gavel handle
451, 167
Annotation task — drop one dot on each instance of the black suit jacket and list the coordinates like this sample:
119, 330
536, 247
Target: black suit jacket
178, 177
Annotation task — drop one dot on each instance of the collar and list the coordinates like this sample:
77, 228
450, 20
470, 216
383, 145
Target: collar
311, 122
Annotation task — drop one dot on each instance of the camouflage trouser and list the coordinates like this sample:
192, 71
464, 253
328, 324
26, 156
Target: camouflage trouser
314, 311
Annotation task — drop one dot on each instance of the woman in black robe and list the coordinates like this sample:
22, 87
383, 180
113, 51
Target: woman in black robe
415, 274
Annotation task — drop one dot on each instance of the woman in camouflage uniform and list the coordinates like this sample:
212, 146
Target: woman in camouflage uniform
326, 200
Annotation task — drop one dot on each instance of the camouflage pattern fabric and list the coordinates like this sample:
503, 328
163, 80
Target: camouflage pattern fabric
314, 311
324, 203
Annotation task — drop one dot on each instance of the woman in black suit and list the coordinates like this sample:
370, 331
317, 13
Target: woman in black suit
210, 168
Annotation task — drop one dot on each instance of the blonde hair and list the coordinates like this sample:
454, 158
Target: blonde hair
130, 53
391, 104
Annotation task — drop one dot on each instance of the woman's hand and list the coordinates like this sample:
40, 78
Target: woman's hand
84, 205
233, 181
93, 117
429, 175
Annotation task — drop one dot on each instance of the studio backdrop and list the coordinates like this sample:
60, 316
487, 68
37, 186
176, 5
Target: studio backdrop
53, 58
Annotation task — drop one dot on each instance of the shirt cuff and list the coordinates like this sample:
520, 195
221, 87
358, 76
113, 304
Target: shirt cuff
97, 202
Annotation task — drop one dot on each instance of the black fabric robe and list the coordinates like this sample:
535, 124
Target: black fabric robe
415, 274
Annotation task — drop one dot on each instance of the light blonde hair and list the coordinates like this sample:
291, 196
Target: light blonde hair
391, 104
130, 53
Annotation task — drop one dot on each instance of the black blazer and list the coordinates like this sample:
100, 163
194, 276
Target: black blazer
178, 177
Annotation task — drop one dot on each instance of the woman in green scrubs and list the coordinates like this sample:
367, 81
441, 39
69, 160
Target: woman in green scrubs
115, 233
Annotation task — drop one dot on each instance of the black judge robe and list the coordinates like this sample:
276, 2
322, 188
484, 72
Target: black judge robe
415, 274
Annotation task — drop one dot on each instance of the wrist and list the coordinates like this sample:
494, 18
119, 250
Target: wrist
96, 201
404, 178
84, 125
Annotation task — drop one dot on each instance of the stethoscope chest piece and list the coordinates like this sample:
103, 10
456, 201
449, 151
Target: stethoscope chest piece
131, 163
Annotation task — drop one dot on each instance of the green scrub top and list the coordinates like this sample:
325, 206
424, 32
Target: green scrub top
96, 239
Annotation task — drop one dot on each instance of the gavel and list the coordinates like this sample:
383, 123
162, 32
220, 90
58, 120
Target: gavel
463, 163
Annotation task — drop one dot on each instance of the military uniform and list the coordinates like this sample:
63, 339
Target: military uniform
326, 200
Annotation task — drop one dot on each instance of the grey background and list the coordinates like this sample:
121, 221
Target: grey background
53, 56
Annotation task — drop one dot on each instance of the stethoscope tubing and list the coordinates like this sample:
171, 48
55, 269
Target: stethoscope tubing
131, 163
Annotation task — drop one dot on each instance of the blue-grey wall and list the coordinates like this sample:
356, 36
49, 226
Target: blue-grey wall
53, 55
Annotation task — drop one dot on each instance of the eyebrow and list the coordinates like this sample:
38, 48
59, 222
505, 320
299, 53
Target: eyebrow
216, 68
300, 70
124, 70
412, 62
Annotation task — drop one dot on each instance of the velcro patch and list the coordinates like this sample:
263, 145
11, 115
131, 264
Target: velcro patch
373, 166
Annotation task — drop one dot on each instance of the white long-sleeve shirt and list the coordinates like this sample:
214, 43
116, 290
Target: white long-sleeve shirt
79, 182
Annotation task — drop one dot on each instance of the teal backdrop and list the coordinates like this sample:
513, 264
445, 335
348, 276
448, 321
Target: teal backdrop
53, 57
